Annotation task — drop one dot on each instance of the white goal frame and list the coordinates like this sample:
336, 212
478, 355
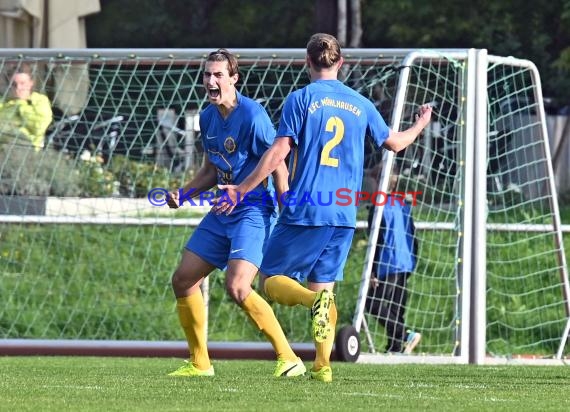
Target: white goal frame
470, 346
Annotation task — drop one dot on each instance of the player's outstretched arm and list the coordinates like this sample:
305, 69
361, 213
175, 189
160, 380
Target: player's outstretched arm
400, 140
273, 158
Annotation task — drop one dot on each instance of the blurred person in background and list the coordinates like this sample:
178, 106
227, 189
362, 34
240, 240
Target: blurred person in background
25, 114
395, 259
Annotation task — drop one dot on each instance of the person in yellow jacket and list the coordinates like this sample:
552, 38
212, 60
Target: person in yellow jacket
25, 113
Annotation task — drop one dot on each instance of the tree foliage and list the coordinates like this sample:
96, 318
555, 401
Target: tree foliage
198, 23
538, 31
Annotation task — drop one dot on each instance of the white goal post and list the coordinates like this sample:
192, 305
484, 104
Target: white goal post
86, 258
506, 191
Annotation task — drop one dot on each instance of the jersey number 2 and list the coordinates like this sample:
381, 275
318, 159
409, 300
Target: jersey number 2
334, 124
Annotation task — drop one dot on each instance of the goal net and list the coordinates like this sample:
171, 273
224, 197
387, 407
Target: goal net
86, 250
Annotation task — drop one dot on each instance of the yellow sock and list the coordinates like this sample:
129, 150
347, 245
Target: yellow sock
192, 315
287, 291
324, 349
259, 311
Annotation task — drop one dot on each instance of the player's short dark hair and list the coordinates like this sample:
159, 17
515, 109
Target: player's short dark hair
221, 55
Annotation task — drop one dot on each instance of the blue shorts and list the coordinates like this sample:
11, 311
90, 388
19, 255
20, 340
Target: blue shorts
314, 253
241, 235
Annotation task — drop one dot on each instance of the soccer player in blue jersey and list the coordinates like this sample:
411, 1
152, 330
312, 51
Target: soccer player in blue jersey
235, 131
323, 126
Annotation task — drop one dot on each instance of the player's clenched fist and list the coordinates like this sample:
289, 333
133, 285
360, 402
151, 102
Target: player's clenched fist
173, 200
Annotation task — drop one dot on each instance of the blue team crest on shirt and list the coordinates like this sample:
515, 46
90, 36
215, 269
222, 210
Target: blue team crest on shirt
230, 144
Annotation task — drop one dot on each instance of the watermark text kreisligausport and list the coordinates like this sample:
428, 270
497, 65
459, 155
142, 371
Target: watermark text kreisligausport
160, 196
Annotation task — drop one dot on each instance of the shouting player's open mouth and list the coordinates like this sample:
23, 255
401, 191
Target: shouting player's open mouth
213, 92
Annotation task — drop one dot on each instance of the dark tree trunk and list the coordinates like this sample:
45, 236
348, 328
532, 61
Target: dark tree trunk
355, 24
325, 17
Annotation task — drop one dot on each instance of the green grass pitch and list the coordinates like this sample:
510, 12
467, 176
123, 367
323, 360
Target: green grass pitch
141, 384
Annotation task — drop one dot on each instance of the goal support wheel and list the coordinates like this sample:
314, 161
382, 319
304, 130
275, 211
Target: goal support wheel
347, 344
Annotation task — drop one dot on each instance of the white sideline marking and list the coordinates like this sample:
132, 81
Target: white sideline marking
376, 395
97, 388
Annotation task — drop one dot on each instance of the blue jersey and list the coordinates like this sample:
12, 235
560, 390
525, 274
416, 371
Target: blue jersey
328, 122
397, 244
236, 144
